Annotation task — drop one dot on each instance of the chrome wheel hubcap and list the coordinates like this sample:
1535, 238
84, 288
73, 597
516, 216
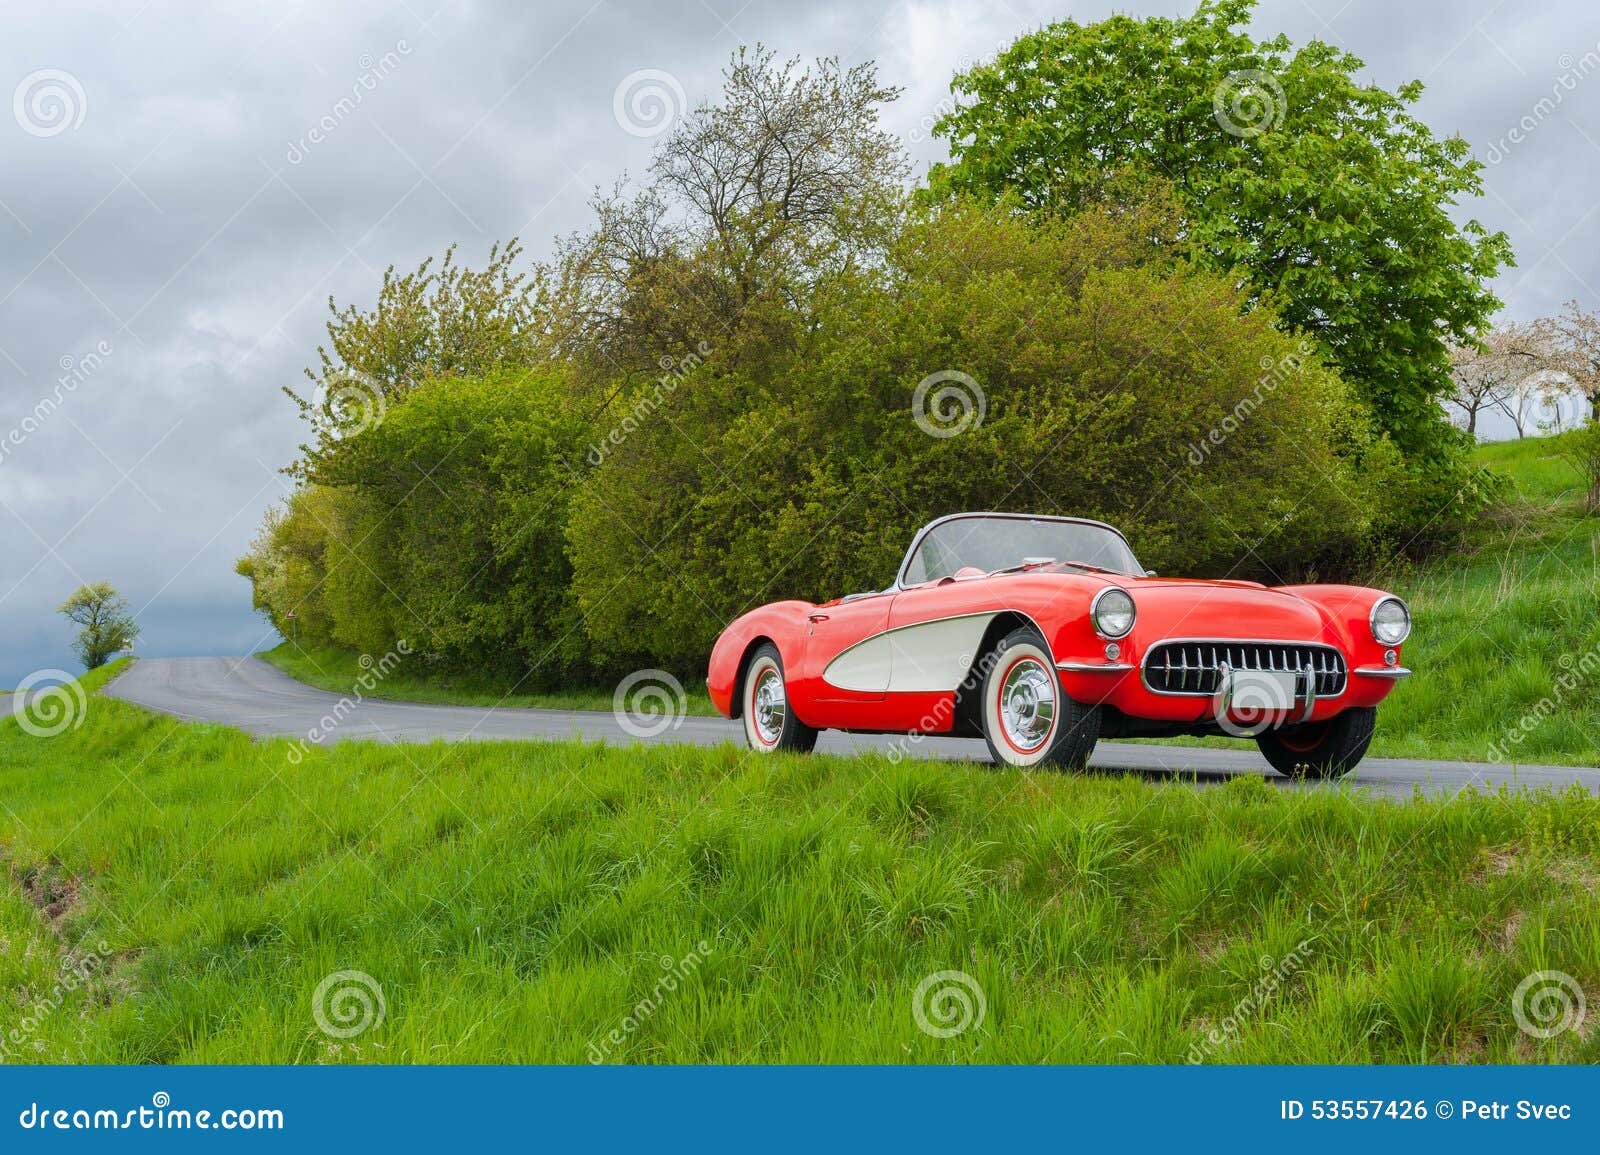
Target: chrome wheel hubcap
768, 707
1028, 704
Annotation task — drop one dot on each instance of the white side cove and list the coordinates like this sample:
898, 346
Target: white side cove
927, 656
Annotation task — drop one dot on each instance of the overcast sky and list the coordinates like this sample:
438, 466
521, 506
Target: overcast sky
171, 227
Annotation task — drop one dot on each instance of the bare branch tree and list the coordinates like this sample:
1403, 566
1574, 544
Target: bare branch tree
752, 201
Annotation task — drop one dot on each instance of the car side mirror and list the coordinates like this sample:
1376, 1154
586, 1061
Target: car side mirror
1151, 573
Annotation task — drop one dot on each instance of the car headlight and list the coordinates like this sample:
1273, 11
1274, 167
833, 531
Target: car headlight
1112, 612
1391, 621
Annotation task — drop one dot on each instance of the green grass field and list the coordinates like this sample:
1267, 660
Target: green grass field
1501, 622
563, 903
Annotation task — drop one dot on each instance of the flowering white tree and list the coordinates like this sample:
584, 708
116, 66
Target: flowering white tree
1504, 371
1570, 344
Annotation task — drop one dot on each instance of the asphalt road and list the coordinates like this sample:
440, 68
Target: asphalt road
260, 699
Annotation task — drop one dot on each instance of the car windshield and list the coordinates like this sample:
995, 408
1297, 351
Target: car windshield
994, 543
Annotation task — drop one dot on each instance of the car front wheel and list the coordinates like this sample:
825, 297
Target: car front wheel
1326, 749
1027, 719
769, 724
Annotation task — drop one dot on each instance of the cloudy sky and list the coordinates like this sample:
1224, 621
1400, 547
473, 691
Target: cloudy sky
171, 225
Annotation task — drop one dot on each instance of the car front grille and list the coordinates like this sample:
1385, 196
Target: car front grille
1193, 667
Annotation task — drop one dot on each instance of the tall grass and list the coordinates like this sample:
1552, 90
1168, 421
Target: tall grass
528, 902
1501, 623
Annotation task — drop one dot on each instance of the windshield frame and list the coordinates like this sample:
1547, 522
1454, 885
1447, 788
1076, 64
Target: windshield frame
916, 542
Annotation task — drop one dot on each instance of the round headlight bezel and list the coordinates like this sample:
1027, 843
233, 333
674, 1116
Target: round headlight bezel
1098, 605
1378, 632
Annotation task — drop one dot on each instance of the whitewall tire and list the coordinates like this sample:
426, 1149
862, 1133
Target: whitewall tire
770, 723
1027, 719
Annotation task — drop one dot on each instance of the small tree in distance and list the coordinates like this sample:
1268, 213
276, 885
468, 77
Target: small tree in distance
1501, 372
107, 626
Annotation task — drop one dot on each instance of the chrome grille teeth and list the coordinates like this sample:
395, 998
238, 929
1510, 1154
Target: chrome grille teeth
1195, 667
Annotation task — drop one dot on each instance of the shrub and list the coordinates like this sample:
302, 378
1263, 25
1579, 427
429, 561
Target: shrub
1582, 448
1115, 383
441, 525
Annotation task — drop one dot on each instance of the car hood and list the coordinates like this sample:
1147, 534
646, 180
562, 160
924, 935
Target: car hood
1191, 608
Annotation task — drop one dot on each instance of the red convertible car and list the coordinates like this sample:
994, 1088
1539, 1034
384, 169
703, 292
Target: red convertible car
1043, 635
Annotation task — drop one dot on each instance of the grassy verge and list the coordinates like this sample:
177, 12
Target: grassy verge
1502, 623
338, 670
531, 902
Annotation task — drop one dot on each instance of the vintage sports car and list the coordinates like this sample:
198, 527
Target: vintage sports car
1043, 635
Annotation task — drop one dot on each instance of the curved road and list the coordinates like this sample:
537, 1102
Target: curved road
262, 700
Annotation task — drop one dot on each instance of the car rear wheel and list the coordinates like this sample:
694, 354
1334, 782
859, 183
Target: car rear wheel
769, 724
1027, 720
1326, 749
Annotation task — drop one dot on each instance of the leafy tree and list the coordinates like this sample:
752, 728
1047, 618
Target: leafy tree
451, 417
1326, 193
440, 526
289, 561
1582, 448
105, 624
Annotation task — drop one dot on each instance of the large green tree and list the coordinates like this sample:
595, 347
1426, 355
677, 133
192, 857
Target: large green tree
1324, 191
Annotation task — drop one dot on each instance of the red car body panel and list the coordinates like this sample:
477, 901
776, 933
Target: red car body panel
896, 679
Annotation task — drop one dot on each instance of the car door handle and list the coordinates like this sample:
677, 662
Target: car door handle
817, 618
